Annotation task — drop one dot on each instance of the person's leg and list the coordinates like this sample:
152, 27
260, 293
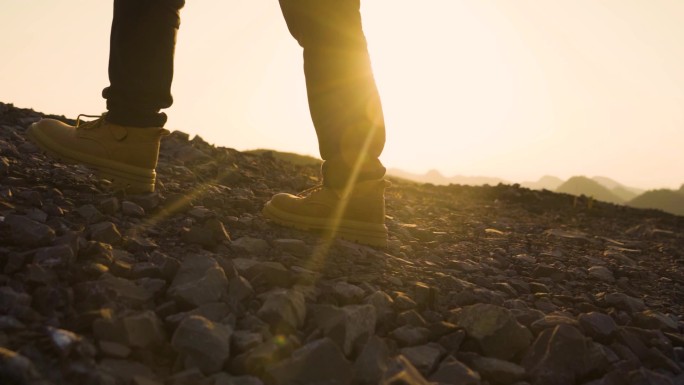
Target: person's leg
124, 144
346, 112
343, 98
142, 45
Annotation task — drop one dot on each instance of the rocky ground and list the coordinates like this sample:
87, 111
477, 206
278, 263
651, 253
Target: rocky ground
190, 285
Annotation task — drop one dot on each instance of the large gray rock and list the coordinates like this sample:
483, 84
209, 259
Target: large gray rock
452, 341
371, 363
625, 302
256, 360
208, 234
141, 329
495, 329
105, 232
424, 357
168, 266
127, 371
318, 362
651, 319
348, 326
27, 232
113, 349
244, 340
383, 304
601, 273
60, 255
296, 247
268, 274
11, 300
144, 329
250, 245
411, 317
641, 376
186, 377
199, 280
210, 288
403, 302
551, 321
204, 344
193, 268
109, 205
452, 371
559, 356
136, 243
16, 369
148, 201
597, 325
633, 339
132, 209
425, 295
346, 293
213, 311
402, 372
110, 329
498, 371
283, 309
125, 290
409, 335
239, 289
90, 213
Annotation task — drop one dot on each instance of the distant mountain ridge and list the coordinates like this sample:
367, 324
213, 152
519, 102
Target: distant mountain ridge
437, 178
598, 187
626, 193
581, 185
671, 201
547, 182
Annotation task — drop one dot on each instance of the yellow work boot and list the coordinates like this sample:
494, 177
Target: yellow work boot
127, 156
358, 215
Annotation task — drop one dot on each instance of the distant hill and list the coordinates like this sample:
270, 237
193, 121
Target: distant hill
581, 185
547, 182
671, 201
626, 193
436, 178
606, 182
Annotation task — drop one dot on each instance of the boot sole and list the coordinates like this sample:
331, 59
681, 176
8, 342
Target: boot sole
132, 179
372, 234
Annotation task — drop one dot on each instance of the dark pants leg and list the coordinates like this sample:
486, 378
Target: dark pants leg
142, 45
343, 98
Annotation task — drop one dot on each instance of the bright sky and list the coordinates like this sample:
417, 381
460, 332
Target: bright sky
514, 89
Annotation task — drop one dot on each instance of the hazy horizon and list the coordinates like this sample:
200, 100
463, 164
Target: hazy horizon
515, 90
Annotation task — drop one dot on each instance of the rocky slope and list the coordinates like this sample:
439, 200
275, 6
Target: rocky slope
190, 285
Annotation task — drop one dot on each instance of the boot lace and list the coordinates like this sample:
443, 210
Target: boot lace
310, 190
90, 124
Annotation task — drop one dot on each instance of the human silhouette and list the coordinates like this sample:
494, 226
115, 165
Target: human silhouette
123, 143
